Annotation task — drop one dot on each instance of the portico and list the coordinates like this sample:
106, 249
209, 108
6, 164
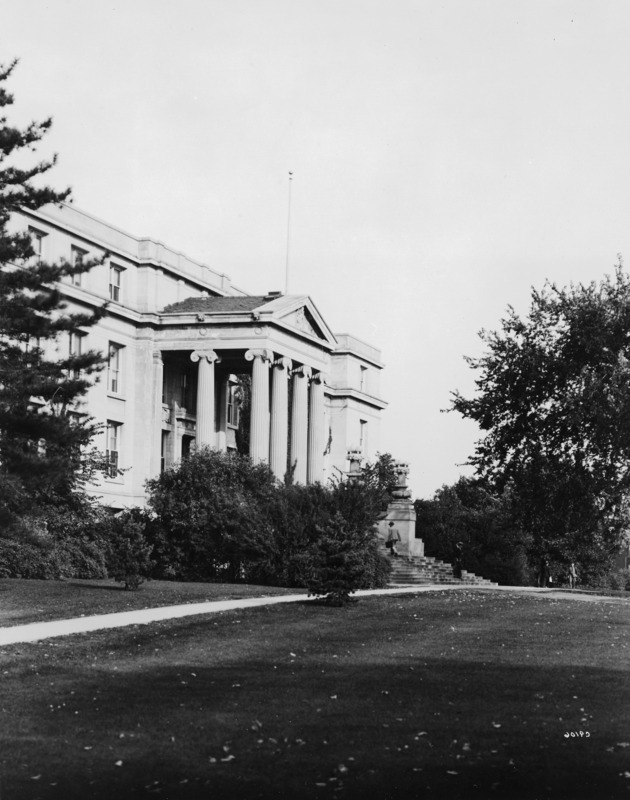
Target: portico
282, 345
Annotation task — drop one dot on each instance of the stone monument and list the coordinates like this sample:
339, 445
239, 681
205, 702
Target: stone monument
402, 513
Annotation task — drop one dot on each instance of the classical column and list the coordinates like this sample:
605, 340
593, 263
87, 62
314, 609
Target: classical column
315, 466
299, 423
259, 422
158, 379
205, 396
279, 416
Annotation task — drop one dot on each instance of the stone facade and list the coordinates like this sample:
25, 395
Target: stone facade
180, 339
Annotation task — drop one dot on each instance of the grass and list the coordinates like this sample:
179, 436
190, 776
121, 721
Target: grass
24, 601
459, 694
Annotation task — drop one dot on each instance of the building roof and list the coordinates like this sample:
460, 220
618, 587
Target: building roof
210, 305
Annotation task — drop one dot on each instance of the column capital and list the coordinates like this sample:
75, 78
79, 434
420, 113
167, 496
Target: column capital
319, 377
157, 358
302, 372
263, 354
209, 355
283, 363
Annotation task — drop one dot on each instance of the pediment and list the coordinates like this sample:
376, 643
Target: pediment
300, 313
302, 319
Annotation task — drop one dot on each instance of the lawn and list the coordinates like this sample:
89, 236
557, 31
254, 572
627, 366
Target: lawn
459, 694
23, 601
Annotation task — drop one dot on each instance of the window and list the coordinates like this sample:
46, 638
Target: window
363, 435
75, 349
75, 343
77, 257
37, 242
115, 282
186, 398
164, 448
363, 379
234, 401
113, 447
114, 361
188, 446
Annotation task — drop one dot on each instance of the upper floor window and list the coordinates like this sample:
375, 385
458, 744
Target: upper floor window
75, 348
37, 242
186, 397
75, 343
363, 435
114, 363
234, 401
77, 257
363, 379
115, 283
113, 447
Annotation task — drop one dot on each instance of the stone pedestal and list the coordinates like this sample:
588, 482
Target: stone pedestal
402, 513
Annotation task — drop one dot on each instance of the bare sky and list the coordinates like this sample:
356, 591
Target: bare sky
447, 157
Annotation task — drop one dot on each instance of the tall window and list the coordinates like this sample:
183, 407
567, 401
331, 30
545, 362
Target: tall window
75, 343
186, 398
113, 447
37, 241
75, 348
363, 435
363, 379
163, 449
234, 400
115, 283
114, 362
77, 257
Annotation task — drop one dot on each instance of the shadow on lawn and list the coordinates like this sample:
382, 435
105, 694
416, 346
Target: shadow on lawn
310, 726
100, 586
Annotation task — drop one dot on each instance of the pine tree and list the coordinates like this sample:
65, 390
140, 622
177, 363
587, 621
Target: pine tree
41, 432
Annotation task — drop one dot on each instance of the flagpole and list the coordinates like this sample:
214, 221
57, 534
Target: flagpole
286, 283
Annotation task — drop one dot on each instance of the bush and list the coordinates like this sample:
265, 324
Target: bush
335, 565
219, 516
128, 551
211, 516
619, 580
38, 554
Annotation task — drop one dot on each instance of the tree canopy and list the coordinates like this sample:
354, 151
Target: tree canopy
553, 403
42, 374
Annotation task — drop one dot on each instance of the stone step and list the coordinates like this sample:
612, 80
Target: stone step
421, 570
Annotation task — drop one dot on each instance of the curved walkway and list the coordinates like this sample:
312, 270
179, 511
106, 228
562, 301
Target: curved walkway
35, 631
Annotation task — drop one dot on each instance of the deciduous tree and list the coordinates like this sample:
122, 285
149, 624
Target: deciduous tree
553, 404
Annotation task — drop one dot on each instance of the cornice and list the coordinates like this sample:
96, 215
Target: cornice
347, 392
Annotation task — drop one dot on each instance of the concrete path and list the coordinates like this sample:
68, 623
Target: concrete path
35, 631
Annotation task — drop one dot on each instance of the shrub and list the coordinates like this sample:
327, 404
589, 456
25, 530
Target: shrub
128, 551
335, 564
219, 516
211, 516
52, 544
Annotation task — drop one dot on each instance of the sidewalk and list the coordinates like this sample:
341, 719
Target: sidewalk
35, 631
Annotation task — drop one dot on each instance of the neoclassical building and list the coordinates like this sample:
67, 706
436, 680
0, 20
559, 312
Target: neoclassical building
185, 347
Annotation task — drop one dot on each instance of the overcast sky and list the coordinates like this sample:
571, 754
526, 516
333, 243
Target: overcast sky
447, 157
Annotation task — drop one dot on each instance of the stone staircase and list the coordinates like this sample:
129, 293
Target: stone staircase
421, 570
